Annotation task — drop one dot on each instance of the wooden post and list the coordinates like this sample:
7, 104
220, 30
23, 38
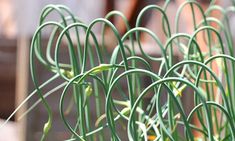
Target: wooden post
22, 71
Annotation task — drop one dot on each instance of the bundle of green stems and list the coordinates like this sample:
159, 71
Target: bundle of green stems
112, 83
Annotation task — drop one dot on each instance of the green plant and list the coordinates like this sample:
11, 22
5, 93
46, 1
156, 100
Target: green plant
94, 72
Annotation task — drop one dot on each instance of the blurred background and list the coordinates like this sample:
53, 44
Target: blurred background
18, 22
